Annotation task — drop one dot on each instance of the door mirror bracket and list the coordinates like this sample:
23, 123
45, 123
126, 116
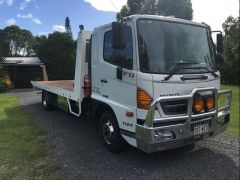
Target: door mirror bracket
119, 73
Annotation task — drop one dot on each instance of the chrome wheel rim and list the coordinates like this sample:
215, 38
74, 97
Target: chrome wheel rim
108, 132
45, 100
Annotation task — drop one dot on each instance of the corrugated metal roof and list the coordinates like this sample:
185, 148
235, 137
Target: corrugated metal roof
23, 61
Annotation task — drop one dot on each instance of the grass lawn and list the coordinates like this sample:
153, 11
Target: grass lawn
233, 128
23, 146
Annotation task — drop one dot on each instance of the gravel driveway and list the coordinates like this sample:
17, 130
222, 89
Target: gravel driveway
78, 150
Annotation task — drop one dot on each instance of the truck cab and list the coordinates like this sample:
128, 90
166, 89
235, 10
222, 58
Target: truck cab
159, 77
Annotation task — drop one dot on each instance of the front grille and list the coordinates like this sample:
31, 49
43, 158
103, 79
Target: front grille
169, 123
174, 107
201, 118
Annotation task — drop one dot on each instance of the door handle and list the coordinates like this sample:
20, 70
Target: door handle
103, 80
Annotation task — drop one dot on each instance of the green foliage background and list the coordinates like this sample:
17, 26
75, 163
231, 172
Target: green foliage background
58, 52
230, 68
177, 8
15, 41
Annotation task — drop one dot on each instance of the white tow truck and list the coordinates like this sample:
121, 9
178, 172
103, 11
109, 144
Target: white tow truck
148, 81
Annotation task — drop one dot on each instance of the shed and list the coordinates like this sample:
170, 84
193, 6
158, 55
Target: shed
23, 70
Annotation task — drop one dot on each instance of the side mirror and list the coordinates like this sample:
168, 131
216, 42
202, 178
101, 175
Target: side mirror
220, 43
118, 33
119, 57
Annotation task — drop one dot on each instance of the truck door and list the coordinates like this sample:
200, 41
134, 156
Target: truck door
121, 92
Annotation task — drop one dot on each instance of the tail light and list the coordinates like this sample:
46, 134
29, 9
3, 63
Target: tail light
143, 99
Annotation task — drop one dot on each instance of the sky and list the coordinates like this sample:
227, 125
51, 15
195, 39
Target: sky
45, 16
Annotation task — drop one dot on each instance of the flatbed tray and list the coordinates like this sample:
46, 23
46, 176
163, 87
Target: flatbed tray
63, 84
63, 88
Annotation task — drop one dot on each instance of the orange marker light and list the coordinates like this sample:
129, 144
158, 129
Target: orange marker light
129, 114
143, 99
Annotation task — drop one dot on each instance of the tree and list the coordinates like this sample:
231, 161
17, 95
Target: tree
123, 13
27, 42
68, 26
177, 8
2, 68
4, 49
230, 68
58, 53
135, 7
40, 42
12, 34
17, 42
149, 7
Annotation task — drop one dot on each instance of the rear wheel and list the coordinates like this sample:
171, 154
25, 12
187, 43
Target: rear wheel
47, 101
110, 133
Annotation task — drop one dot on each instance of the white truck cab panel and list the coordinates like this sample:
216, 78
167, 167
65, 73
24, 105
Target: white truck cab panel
120, 95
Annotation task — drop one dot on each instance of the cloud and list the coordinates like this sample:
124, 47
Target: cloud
43, 33
59, 28
27, 16
10, 22
24, 4
37, 21
108, 5
7, 2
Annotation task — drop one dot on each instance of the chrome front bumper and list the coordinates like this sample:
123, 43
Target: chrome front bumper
182, 132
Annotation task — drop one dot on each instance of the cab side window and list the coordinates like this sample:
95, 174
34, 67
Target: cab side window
108, 50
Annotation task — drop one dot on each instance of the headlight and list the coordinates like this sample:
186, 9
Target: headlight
198, 104
210, 103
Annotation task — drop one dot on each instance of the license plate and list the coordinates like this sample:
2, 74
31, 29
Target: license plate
200, 129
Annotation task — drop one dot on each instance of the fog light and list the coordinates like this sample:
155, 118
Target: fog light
163, 135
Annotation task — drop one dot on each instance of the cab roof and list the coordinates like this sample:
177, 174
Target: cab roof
163, 18
134, 18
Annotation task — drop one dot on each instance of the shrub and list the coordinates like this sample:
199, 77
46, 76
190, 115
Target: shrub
2, 86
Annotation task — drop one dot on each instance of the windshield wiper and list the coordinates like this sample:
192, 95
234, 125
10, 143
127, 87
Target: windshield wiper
208, 70
176, 67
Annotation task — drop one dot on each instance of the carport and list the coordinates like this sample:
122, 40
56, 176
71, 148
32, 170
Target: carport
23, 70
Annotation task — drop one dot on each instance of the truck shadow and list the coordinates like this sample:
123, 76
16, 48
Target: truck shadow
78, 150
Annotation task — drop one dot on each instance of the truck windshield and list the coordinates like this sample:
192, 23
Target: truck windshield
163, 44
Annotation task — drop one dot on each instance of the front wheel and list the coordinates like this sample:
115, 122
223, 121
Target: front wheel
110, 133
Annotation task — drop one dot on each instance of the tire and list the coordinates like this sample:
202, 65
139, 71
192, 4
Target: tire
110, 133
47, 101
